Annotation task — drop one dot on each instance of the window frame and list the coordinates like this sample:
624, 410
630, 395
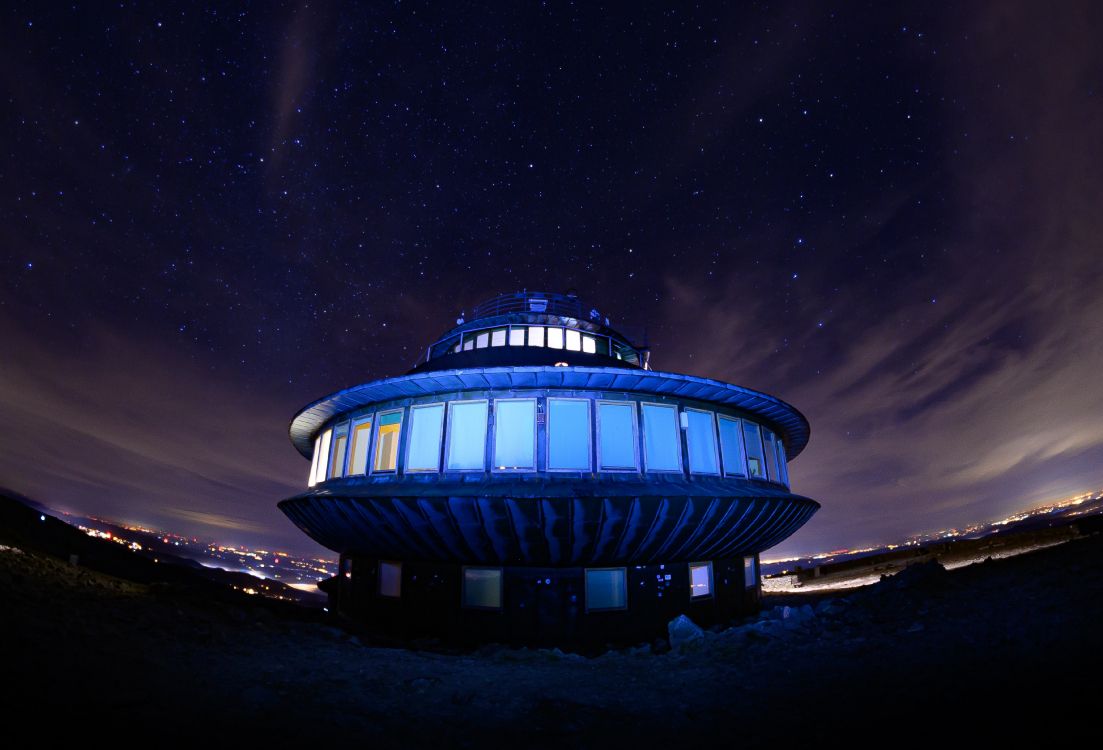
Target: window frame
762, 451
586, 589
326, 437
677, 438
711, 592
715, 443
448, 432
409, 443
635, 435
379, 578
375, 441
782, 460
535, 438
589, 434
354, 424
742, 447
312, 478
501, 588
340, 431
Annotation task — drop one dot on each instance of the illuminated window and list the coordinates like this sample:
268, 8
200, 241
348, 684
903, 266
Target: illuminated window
515, 434
555, 338
466, 435
769, 443
423, 445
701, 441
323, 457
390, 578
700, 580
468, 345
386, 441
358, 451
606, 589
337, 455
498, 337
589, 345
312, 479
662, 449
568, 434
750, 576
616, 430
482, 340
753, 444
536, 336
516, 336
731, 447
574, 340
482, 588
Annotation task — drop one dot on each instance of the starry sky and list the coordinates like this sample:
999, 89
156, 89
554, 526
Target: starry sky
890, 216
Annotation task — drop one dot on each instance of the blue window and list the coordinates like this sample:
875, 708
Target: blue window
782, 462
701, 440
662, 448
750, 575
515, 434
568, 434
323, 457
337, 455
771, 454
756, 464
423, 449
390, 578
606, 588
700, 580
482, 588
731, 446
616, 429
466, 436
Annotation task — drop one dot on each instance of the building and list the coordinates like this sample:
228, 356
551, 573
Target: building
533, 480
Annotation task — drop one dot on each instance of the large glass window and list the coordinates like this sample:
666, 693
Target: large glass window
589, 345
337, 455
536, 336
568, 434
386, 441
423, 445
323, 457
482, 340
482, 588
555, 338
700, 579
750, 575
390, 578
662, 449
616, 431
573, 340
606, 588
731, 446
498, 337
358, 451
515, 434
516, 336
701, 441
312, 479
771, 455
753, 444
466, 435
782, 462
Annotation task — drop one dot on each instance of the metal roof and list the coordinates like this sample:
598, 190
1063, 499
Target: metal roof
792, 424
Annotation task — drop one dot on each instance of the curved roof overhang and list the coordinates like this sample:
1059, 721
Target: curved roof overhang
792, 424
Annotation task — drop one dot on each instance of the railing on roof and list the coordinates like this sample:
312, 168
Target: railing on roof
536, 302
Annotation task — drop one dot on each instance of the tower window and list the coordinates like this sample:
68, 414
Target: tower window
616, 430
536, 336
568, 434
337, 456
323, 457
386, 441
700, 580
662, 448
466, 435
574, 340
555, 338
423, 449
750, 575
515, 434
756, 466
482, 588
390, 578
516, 336
606, 589
768, 442
731, 446
358, 451
701, 441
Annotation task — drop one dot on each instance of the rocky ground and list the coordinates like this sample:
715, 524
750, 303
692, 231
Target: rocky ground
987, 653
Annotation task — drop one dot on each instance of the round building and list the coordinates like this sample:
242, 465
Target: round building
534, 481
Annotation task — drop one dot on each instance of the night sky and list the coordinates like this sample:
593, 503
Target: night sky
890, 217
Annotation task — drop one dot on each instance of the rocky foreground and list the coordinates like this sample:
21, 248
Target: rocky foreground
995, 651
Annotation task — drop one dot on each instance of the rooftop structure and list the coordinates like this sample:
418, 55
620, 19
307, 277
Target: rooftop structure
533, 480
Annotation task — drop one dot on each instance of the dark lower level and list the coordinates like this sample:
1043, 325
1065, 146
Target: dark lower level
544, 606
